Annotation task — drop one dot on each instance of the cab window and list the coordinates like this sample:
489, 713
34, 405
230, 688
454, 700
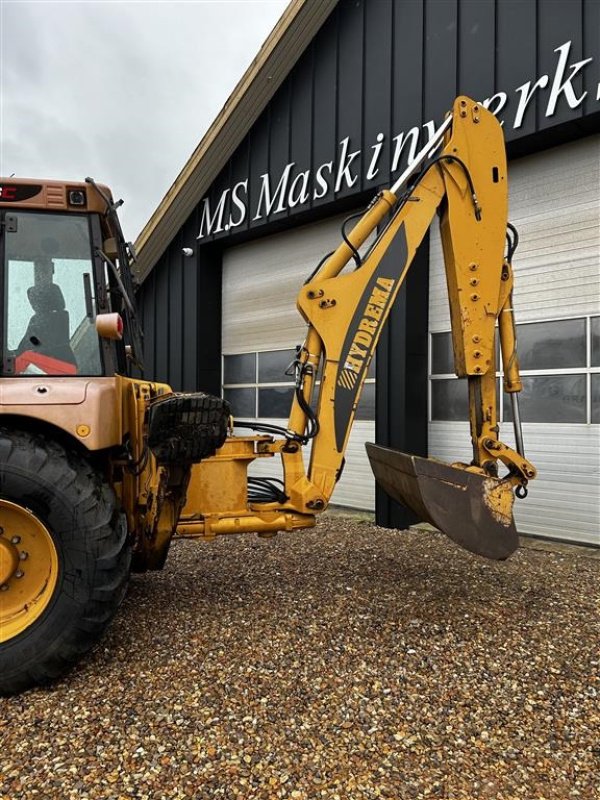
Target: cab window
48, 296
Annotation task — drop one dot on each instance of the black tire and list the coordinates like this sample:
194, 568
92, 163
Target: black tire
185, 428
80, 513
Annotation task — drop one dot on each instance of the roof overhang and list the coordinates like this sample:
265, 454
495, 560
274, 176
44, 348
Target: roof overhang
287, 41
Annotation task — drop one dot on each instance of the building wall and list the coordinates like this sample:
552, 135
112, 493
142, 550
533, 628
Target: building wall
375, 69
373, 84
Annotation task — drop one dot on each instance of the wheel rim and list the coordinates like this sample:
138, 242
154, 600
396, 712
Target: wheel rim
28, 569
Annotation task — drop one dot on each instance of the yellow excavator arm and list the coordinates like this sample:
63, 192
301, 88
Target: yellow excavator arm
466, 183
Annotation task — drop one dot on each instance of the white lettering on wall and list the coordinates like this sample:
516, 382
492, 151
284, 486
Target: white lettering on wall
562, 86
295, 189
500, 99
280, 192
240, 204
299, 189
323, 186
526, 93
401, 140
346, 160
373, 168
207, 221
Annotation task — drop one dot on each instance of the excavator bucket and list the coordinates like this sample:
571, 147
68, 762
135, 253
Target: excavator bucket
475, 511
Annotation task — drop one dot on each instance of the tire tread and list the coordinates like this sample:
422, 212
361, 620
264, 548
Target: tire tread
109, 551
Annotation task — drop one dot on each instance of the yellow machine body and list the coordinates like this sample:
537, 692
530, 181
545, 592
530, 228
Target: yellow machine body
161, 464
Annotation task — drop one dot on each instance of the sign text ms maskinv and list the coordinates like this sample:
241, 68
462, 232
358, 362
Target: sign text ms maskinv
294, 187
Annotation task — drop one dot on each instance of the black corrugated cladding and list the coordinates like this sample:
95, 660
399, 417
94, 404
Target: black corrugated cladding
180, 309
376, 68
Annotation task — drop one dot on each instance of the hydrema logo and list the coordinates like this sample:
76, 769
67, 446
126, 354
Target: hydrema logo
355, 359
363, 333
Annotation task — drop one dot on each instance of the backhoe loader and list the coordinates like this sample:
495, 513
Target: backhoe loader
99, 470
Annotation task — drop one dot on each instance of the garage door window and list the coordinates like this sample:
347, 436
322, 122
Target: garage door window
239, 369
560, 366
256, 385
595, 361
595, 331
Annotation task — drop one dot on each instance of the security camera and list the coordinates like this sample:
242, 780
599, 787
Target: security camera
187, 252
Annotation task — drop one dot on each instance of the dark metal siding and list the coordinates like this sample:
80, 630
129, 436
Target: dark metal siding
384, 66
375, 67
476, 37
179, 303
591, 47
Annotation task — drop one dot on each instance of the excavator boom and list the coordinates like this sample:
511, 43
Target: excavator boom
466, 184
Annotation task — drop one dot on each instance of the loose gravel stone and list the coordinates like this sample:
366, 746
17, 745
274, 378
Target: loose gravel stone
345, 662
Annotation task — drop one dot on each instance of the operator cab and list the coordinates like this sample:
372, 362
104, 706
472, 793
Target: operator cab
56, 279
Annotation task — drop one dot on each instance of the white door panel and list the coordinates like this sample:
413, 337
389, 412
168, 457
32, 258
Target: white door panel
555, 205
261, 281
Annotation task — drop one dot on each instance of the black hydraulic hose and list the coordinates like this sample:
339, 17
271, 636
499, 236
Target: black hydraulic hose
465, 169
264, 427
266, 490
513, 242
313, 422
318, 267
402, 200
355, 253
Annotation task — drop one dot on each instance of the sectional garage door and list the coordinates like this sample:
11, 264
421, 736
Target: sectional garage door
261, 328
555, 204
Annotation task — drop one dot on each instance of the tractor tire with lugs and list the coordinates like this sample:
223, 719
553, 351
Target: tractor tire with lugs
187, 427
64, 559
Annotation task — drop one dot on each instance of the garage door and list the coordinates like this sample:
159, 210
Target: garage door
261, 328
555, 204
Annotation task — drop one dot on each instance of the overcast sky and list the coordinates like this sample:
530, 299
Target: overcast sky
122, 91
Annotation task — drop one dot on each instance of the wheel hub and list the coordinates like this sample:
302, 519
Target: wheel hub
28, 568
9, 560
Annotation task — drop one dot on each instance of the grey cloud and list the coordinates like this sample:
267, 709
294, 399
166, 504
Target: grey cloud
120, 90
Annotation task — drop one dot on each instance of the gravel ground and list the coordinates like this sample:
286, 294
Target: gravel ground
344, 662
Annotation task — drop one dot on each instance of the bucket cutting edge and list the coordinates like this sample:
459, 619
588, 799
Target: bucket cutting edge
473, 510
